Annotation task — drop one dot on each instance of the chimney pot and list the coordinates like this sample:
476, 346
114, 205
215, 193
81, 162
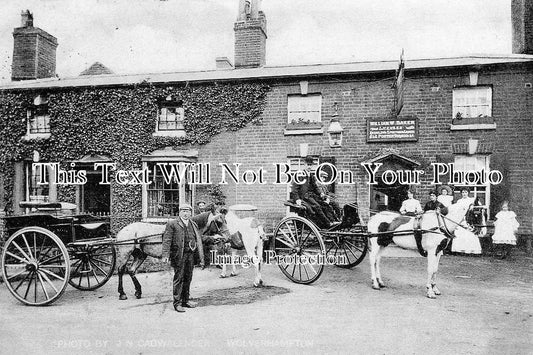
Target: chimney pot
26, 19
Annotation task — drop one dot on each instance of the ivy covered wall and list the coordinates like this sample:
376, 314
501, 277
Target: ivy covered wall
119, 122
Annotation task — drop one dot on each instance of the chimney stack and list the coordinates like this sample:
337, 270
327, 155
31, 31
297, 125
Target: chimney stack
250, 35
34, 51
522, 19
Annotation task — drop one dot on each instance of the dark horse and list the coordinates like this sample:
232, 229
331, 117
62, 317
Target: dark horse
139, 240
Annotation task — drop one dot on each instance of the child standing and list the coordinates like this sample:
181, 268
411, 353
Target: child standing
506, 226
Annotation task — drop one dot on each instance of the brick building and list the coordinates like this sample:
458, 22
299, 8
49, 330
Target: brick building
473, 111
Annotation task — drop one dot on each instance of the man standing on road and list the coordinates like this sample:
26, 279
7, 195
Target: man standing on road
180, 240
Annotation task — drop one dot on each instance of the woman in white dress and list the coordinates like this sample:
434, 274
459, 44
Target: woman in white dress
445, 195
411, 206
465, 241
505, 228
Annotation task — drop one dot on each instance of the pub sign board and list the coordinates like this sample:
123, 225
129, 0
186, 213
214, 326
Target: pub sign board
400, 129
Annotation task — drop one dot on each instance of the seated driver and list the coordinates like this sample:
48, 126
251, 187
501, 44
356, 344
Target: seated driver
307, 195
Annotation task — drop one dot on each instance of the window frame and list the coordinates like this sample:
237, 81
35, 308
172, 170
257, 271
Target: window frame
31, 174
459, 119
475, 190
38, 118
179, 128
306, 124
185, 192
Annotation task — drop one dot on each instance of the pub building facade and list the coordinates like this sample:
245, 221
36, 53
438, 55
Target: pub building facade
474, 111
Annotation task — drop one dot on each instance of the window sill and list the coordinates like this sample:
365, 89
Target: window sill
293, 131
30, 136
472, 127
176, 133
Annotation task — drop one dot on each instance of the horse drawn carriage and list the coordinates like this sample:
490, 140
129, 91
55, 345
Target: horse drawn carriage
302, 249
49, 248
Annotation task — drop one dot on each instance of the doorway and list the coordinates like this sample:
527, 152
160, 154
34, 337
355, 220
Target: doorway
95, 198
389, 196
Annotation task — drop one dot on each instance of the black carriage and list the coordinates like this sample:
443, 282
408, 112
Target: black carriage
48, 249
302, 249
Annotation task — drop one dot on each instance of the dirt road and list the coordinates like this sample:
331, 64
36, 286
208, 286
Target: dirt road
486, 308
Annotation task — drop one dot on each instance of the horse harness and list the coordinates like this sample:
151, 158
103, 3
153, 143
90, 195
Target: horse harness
385, 238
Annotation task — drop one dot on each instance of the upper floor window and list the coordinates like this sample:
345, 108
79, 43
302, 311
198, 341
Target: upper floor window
38, 118
304, 114
304, 109
170, 118
472, 102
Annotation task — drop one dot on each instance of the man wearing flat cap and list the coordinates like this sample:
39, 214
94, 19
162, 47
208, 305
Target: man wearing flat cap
180, 240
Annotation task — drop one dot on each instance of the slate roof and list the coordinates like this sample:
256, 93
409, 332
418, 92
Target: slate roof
293, 71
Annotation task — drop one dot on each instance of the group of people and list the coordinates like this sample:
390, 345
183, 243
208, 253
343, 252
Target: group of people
441, 200
316, 198
505, 225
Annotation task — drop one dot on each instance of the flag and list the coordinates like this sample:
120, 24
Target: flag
399, 87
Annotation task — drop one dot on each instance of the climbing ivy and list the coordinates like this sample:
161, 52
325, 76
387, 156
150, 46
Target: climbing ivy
119, 122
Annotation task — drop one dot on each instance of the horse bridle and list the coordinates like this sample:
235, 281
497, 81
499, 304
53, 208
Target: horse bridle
218, 229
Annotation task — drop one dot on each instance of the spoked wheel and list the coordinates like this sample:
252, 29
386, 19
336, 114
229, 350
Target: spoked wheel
299, 250
91, 265
36, 266
347, 251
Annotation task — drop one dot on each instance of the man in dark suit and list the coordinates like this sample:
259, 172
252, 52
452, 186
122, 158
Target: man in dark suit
180, 240
307, 195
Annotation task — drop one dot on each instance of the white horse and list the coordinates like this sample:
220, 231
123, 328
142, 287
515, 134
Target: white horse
435, 228
252, 233
139, 240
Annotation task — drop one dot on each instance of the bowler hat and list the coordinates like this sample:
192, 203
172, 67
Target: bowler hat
185, 206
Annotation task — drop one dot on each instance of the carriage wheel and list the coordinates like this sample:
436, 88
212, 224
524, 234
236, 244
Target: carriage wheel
36, 266
300, 249
347, 251
91, 265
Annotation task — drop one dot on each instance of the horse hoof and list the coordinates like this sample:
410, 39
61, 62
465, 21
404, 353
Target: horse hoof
261, 282
232, 274
122, 297
431, 296
256, 284
436, 291
222, 276
376, 287
138, 295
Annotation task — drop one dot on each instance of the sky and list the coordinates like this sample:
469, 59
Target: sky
146, 36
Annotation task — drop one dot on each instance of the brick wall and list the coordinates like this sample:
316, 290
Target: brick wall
360, 98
